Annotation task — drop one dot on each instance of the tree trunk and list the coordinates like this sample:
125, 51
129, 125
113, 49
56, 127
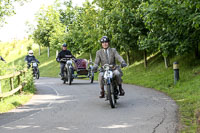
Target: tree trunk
145, 58
39, 50
90, 56
48, 51
197, 51
128, 58
0, 87
56, 53
167, 61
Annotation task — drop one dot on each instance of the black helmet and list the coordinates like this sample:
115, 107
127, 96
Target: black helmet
64, 45
104, 39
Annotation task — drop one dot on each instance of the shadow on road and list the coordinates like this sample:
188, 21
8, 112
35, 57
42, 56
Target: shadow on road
83, 84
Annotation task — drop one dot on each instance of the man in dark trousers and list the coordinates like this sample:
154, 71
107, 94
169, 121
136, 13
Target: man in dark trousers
63, 54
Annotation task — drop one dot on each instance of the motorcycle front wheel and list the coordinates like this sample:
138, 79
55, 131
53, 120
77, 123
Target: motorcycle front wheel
38, 74
91, 76
69, 76
111, 96
65, 78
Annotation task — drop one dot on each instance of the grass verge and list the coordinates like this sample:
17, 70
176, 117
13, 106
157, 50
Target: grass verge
14, 101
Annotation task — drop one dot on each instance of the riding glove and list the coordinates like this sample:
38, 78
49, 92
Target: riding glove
123, 64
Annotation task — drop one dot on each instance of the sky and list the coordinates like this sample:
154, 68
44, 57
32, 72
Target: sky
16, 28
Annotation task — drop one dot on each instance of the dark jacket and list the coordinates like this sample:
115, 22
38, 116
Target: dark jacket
63, 54
31, 58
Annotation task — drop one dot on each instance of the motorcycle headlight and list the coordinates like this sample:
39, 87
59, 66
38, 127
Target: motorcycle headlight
107, 68
69, 62
34, 64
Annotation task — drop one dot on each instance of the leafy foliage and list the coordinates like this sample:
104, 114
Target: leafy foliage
50, 31
168, 26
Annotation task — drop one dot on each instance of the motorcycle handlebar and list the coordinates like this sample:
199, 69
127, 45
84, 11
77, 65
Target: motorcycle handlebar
66, 59
32, 62
111, 67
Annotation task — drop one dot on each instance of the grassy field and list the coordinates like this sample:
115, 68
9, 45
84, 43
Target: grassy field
48, 66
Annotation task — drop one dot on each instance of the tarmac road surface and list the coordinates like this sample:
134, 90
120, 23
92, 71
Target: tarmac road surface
60, 108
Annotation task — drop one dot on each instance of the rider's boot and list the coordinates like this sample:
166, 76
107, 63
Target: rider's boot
62, 76
121, 91
102, 93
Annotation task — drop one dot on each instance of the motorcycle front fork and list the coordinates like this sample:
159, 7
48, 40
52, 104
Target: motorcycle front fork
114, 86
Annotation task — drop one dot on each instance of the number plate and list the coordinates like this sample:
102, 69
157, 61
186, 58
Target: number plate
35, 64
108, 74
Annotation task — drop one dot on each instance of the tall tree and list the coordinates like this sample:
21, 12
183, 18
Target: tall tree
49, 31
121, 23
83, 33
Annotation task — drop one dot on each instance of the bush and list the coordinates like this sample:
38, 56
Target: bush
29, 87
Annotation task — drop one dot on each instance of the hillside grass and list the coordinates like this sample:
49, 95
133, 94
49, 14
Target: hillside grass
48, 66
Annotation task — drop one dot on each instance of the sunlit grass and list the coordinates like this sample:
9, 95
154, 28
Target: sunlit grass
10, 103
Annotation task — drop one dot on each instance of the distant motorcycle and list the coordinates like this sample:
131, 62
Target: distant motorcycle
36, 72
111, 84
77, 69
68, 69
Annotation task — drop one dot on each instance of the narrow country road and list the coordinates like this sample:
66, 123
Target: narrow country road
60, 108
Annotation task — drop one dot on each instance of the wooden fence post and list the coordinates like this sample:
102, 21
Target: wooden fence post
18, 78
11, 77
11, 83
0, 87
19, 81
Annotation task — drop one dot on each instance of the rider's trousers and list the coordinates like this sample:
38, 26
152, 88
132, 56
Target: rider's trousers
62, 66
116, 73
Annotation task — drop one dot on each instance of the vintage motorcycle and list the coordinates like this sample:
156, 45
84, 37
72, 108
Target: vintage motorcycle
68, 69
111, 84
36, 72
77, 69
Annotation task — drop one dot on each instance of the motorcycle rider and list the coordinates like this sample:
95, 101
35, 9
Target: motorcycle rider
62, 54
1, 58
108, 55
30, 57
